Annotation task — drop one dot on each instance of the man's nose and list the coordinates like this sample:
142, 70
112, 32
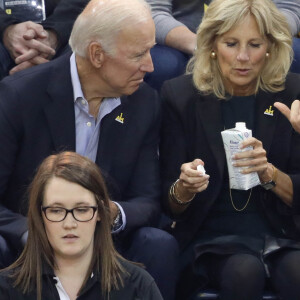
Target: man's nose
147, 65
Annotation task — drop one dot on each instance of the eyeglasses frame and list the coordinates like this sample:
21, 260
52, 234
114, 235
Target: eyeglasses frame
44, 208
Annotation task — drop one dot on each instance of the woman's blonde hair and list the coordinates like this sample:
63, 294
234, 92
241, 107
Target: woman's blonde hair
38, 253
220, 17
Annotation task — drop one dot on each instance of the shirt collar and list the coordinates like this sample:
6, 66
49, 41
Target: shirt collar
77, 91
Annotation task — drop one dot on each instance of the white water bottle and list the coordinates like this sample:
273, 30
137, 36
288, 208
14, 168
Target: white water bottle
231, 140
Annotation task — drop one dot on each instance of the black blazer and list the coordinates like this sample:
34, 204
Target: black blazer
60, 16
37, 119
191, 128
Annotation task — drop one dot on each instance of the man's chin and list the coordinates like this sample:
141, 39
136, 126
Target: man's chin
133, 88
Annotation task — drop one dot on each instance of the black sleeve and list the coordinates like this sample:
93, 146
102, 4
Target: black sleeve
5, 21
5, 288
173, 143
63, 18
140, 202
12, 225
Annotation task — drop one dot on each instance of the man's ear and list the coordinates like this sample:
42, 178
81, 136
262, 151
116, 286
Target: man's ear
96, 54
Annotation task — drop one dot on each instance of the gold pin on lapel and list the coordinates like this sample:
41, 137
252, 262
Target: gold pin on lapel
269, 111
120, 118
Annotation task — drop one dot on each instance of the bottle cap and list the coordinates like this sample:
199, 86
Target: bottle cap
240, 125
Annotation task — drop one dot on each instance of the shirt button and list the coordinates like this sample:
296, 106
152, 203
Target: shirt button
82, 101
89, 124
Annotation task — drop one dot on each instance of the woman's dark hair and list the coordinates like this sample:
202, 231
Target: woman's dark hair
72, 167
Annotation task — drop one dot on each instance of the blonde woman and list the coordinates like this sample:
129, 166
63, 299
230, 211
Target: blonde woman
236, 241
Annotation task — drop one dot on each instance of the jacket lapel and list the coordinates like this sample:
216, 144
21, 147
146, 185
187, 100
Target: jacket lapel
113, 129
209, 111
59, 112
266, 116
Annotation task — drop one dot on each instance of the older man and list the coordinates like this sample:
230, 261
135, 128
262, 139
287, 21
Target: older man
93, 102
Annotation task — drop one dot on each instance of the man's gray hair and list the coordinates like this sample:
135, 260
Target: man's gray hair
102, 20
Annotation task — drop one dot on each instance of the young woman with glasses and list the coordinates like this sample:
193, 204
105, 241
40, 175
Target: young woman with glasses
69, 253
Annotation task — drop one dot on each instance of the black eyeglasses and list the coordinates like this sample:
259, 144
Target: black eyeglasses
80, 214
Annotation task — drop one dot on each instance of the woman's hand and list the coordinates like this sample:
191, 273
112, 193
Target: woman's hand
253, 160
191, 180
256, 161
293, 114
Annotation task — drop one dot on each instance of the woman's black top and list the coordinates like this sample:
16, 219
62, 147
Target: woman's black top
237, 231
223, 218
138, 285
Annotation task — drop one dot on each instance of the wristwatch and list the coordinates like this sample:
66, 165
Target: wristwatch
272, 183
268, 185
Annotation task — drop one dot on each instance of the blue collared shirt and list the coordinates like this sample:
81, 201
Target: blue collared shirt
88, 128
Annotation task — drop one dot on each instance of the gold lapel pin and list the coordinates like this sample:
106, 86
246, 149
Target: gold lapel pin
269, 111
120, 118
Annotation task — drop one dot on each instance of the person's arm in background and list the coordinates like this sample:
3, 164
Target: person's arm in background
141, 200
13, 226
5, 21
62, 19
12, 33
169, 31
293, 114
32, 44
57, 28
28, 44
291, 10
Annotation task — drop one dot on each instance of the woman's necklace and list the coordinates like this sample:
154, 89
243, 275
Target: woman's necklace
232, 203
234, 206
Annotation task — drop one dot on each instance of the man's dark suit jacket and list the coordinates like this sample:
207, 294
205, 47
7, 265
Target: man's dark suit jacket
60, 16
191, 128
37, 119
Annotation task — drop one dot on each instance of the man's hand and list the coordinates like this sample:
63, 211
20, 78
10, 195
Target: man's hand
293, 114
29, 44
49, 39
33, 56
20, 38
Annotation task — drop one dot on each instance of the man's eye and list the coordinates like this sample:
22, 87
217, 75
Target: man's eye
140, 55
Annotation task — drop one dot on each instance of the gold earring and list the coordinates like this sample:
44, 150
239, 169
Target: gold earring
213, 54
267, 54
